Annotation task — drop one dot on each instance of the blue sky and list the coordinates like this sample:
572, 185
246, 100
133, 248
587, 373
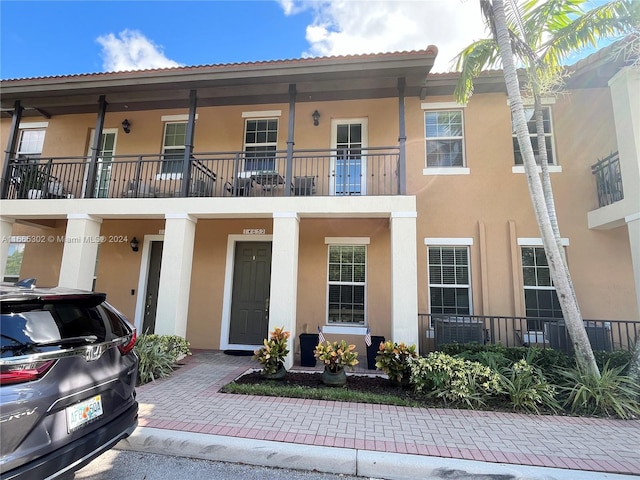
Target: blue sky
43, 38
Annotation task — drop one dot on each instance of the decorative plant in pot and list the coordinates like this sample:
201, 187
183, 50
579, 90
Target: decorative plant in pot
336, 356
272, 354
394, 360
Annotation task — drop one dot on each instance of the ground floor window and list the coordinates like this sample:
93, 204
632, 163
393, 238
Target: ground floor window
449, 280
540, 297
347, 284
14, 262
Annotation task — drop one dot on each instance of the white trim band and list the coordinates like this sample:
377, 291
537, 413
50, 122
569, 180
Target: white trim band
448, 241
262, 114
441, 105
537, 242
25, 125
183, 117
347, 240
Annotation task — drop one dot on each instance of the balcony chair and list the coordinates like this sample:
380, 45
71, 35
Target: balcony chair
241, 187
304, 186
144, 190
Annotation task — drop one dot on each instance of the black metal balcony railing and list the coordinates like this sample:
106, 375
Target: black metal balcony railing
440, 329
608, 180
371, 171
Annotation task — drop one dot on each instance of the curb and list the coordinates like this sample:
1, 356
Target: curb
335, 460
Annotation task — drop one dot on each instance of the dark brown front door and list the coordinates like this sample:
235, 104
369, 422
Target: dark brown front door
250, 298
153, 284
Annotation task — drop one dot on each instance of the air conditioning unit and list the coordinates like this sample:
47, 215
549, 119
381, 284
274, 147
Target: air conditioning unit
458, 330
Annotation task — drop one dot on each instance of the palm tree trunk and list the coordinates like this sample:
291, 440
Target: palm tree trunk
559, 272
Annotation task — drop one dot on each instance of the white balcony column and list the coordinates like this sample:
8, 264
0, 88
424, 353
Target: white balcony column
404, 278
175, 275
633, 225
81, 242
284, 276
6, 227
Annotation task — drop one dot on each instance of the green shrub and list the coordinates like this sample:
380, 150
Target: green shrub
617, 358
454, 380
393, 359
549, 361
158, 355
527, 388
611, 394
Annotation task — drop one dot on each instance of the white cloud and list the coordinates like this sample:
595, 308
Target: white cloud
131, 50
343, 27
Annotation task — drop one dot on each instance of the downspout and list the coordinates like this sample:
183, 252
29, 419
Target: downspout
402, 140
11, 147
188, 147
92, 171
288, 176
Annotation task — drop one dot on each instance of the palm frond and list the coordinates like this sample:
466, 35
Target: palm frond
470, 62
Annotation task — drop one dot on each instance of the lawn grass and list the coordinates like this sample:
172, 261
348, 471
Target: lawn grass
273, 389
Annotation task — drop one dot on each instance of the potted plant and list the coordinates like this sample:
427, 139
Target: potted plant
394, 360
336, 356
272, 354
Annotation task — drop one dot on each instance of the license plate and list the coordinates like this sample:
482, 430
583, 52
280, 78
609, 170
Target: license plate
83, 413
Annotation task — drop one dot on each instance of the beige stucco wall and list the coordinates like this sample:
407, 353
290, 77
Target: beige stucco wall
490, 205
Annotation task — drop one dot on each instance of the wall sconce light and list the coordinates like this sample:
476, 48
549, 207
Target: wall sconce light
126, 126
316, 118
134, 244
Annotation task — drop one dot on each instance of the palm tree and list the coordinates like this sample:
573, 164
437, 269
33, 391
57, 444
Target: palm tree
543, 62
543, 34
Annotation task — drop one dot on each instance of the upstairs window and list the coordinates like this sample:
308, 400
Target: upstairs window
347, 284
531, 124
31, 143
173, 147
444, 134
260, 144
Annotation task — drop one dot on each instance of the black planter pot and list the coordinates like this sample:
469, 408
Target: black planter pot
372, 351
308, 343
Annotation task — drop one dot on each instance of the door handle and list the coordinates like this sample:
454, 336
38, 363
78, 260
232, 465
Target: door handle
266, 305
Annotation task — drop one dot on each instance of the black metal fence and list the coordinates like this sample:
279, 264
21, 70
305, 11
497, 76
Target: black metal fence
608, 180
439, 329
371, 171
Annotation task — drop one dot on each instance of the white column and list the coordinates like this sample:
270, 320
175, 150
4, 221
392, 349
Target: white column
284, 276
633, 224
404, 278
81, 242
175, 275
6, 227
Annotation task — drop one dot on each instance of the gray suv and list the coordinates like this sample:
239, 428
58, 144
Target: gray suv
67, 380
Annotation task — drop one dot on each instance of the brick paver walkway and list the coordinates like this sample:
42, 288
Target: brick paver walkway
189, 401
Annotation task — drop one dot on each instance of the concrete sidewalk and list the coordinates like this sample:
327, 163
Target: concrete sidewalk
185, 415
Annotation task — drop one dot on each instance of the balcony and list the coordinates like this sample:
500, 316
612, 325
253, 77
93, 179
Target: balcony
365, 172
608, 180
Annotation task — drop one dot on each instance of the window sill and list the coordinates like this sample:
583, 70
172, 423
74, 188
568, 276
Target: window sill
446, 171
344, 330
552, 169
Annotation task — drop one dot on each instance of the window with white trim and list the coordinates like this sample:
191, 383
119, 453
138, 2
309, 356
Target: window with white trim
449, 280
347, 284
14, 262
531, 124
31, 142
444, 136
173, 147
540, 297
260, 144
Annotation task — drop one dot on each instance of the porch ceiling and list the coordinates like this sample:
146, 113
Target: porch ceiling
331, 78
